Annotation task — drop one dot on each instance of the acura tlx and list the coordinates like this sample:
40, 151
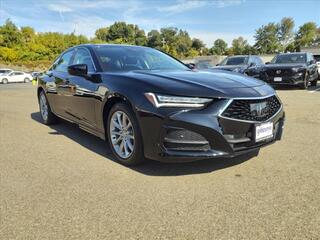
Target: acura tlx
148, 105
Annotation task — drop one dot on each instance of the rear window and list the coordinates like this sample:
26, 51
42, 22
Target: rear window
290, 58
235, 61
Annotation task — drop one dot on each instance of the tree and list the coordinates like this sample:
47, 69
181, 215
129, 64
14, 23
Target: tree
10, 34
239, 46
197, 44
154, 39
101, 33
306, 34
267, 40
285, 32
219, 47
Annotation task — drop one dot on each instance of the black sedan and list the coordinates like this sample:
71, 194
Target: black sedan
147, 104
293, 69
246, 64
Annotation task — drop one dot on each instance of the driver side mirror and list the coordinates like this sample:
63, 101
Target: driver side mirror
252, 64
312, 62
78, 70
191, 65
267, 63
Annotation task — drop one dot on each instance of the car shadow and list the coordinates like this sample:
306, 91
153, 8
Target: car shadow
151, 168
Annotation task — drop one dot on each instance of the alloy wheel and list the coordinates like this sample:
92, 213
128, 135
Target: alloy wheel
43, 106
122, 134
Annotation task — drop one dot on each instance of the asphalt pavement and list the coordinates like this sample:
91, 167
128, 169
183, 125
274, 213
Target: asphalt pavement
60, 182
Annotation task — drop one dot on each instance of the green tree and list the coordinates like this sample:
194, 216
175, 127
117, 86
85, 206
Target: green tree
154, 39
10, 34
220, 47
285, 32
267, 40
240, 46
102, 33
306, 34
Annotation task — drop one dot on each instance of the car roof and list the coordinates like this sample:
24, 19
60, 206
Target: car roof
292, 53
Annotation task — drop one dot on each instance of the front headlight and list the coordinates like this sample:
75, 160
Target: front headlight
236, 70
159, 100
297, 69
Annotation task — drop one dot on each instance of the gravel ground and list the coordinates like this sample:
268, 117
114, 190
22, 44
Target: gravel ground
59, 183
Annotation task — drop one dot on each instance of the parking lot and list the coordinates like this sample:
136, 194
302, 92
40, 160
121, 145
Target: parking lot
59, 183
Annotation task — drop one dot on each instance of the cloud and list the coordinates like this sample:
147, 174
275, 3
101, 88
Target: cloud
183, 6
59, 8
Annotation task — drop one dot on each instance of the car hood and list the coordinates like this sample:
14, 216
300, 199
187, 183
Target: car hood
230, 67
284, 66
202, 83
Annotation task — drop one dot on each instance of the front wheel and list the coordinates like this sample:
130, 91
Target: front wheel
47, 115
305, 83
124, 135
26, 80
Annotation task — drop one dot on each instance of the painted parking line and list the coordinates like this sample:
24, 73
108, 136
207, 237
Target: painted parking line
315, 90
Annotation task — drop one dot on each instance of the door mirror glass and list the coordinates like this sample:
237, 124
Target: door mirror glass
78, 70
191, 65
267, 63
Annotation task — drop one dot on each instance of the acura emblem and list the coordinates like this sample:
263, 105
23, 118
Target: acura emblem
278, 71
258, 109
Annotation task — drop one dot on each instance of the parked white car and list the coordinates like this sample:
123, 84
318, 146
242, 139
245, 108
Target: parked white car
317, 58
15, 76
5, 71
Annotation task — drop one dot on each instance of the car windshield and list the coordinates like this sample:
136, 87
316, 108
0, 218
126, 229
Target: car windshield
235, 61
289, 58
4, 72
128, 58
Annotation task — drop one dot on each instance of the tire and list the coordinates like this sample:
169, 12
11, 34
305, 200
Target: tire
124, 135
26, 80
4, 81
305, 83
314, 82
47, 115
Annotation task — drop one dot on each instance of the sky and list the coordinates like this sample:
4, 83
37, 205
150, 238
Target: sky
207, 20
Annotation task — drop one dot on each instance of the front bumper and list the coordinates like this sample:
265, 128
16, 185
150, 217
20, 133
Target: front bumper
289, 80
190, 135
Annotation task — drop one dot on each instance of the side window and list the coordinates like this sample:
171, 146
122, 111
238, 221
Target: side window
83, 56
259, 61
63, 63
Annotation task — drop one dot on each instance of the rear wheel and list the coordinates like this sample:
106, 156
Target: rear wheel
4, 81
124, 135
47, 115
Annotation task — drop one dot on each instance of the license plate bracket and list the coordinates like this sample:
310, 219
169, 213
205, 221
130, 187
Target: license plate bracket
263, 131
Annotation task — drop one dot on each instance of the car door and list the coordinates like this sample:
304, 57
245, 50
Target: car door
11, 77
19, 77
60, 77
84, 99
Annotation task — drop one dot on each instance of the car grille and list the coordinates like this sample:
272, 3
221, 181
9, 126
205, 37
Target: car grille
244, 109
279, 72
185, 140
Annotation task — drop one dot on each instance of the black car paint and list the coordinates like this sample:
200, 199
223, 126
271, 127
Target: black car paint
251, 68
85, 100
285, 71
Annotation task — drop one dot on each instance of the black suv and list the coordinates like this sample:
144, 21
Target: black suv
246, 64
296, 69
